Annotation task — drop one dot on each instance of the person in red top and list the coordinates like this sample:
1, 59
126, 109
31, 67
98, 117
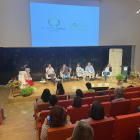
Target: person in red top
27, 77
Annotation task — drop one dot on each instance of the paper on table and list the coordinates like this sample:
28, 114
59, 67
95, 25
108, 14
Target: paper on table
92, 85
100, 84
106, 84
75, 87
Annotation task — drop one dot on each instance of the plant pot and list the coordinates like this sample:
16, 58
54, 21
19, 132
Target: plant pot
25, 95
119, 81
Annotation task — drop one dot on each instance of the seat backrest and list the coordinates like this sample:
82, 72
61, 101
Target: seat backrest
121, 107
103, 129
129, 89
76, 114
111, 91
61, 97
104, 98
60, 133
136, 89
133, 94
126, 126
42, 106
104, 91
106, 108
68, 96
135, 103
88, 100
89, 94
65, 103
44, 115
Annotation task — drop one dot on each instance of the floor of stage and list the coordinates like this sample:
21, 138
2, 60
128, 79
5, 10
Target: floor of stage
69, 87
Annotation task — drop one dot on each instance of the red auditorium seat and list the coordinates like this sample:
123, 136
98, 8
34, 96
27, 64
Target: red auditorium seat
121, 107
104, 98
104, 91
76, 114
111, 91
135, 103
61, 97
88, 100
44, 114
112, 96
103, 129
89, 94
126, 126
65, 103
136, 89
106, 108
1, 120
68, 96
129, 89
60, 133
134, 94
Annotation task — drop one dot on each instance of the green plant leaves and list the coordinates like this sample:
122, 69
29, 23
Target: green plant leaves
27, 91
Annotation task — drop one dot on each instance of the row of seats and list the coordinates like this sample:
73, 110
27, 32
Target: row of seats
112, 109
121, 128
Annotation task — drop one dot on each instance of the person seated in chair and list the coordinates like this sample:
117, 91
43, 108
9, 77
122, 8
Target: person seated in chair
52, 101
96, 112
90, 71
82, 131
122, 88
79, 93
66, 72
107, 71
77, 102
88, 85
51, 73
80, 71
118, 95
60, 90
27, 77
58, 118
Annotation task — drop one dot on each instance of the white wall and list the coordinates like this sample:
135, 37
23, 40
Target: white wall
15, 23
119, 24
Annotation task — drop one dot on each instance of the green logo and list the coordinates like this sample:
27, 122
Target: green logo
53, 22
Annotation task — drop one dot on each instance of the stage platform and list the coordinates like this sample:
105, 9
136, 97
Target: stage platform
69, 87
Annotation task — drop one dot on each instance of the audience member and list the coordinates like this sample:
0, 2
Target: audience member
3, 116
44, 98
118, 95
52, 101
88, 85
82, 131
77, 102
60, 89
58, 118
122, 88
96, 112
130, 86
79, 93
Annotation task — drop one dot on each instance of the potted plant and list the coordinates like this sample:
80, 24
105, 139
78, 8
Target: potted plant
14, 86
27, 91
120, 78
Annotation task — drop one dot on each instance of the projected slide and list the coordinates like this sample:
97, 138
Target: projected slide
54, 25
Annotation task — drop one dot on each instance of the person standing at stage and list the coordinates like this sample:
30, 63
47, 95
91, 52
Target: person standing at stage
107, 71
90, 71
66, 72
27, 77
51, 73
80, 71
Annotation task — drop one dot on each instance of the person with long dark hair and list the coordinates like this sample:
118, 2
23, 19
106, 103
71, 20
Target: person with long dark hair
79, 93
45, 97
60, 90
77, 102
57, 118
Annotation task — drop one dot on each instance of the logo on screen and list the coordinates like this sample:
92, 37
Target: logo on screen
54, 22
75, 24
